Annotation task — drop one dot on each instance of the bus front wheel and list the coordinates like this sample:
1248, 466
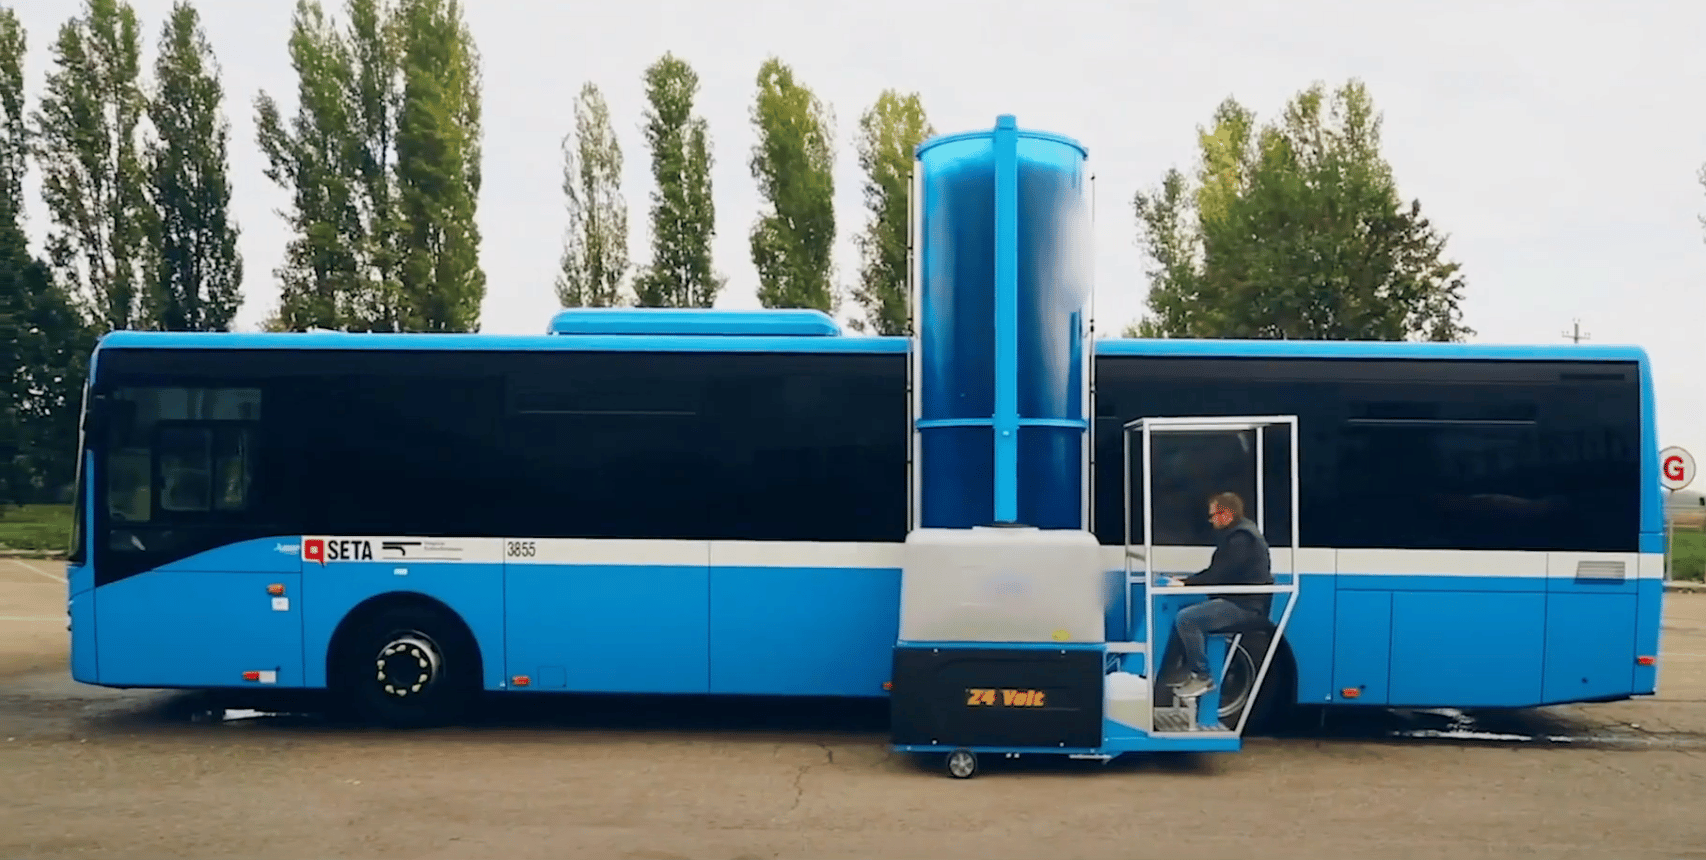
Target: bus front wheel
409, 666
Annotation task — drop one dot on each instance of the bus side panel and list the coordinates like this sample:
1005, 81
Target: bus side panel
1590, 639
1463, 648
205, 620
816, 630
1362, 648
1649, 615
1310, 630
1468, 627
609, 628
473, 590
85, 665
1590, 625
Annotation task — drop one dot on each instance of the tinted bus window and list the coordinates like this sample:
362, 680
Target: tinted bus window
811, 449
179, 472
1412, 455
710, 446
1542, 466
771, 446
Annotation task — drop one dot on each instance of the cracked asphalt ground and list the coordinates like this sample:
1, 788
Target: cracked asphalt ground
86, 772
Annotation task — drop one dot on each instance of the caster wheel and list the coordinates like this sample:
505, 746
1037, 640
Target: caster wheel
962, 764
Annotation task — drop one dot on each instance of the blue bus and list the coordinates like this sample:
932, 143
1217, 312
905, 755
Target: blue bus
715, 502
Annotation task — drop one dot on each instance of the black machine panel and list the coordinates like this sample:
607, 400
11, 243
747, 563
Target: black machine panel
1005, 697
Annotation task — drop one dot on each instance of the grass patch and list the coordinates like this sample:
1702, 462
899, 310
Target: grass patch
1688, 556
35, 528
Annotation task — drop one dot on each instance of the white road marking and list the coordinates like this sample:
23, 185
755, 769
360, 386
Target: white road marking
36, 570
31, 618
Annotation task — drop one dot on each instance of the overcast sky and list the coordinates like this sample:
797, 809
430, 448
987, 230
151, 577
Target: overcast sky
1557, 142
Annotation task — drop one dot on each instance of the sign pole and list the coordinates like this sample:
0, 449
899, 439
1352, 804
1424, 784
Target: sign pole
1676, 471
1670, 532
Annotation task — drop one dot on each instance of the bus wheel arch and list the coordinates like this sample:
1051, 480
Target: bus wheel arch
404, 660
1278, 697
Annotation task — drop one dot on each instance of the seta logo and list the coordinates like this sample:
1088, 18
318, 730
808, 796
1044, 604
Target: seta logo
321, 550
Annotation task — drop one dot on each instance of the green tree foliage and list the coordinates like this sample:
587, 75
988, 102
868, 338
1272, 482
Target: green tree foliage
1295, 230
889, 134
14, 123
17, 271
200, 276
382, 159
683, 215
438, 170
51, 343
794, 163
93, 176
319, 278
595, 253
43, 339
373, 95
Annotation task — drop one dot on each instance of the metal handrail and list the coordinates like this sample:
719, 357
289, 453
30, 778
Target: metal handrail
1226, 589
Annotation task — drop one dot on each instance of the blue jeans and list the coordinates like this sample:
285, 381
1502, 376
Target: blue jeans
1194, 623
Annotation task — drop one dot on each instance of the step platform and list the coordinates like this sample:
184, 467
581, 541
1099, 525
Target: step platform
964, 700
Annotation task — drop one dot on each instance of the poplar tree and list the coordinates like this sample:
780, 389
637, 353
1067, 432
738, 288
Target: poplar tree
382, 159
93, 177
794, 163
198, 284
595, 252
889, 134
683, 214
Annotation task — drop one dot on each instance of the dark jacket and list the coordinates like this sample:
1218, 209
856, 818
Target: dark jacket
1241, 557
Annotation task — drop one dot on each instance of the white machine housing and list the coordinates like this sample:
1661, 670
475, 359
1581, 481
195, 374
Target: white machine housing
1002, 584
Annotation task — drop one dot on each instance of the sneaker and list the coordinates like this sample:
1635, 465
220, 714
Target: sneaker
1193, 687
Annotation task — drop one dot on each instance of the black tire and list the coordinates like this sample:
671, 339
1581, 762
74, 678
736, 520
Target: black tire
408, 666
1240, 671
1277, 701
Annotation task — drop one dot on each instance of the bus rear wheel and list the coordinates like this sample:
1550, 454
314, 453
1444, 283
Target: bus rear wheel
1237, 682
409, 667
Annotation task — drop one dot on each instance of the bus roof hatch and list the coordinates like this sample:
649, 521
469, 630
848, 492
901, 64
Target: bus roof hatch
780, 322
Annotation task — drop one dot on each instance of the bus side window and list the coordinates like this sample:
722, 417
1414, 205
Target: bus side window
128, 459
202, 467
173, 452
183, 459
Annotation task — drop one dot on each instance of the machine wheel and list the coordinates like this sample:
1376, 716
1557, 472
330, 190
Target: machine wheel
962, 764
409, 667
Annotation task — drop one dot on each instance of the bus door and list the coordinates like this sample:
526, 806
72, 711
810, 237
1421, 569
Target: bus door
1174, 467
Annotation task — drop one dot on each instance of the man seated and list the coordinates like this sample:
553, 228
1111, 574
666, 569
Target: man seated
1241, 557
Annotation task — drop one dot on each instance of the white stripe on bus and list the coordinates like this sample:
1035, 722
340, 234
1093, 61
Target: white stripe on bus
806, 554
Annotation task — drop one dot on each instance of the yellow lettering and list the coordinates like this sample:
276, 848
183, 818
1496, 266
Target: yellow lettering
1009, 698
